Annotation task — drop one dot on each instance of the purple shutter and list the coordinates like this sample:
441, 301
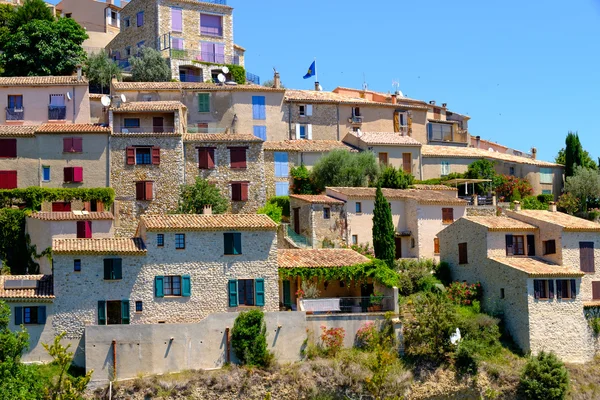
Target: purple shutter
176, 20
177, 43
211, 25
219, 53
207, 51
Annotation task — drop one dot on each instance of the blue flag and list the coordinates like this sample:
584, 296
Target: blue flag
311, 70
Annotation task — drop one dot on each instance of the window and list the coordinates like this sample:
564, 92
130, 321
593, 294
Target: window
212, 52
239, 191
113, 269
139, 306
281, 165
354, 239
301, 110
305, 110
8, 179
383, 158
237, 157
545, 175
160, 239
543, 289
142, 155
144, 190
73, 145
586, 256
113, 312
140, 18
180, 240
61, 206
511, 171
547, 191
131, 122
8, 148
15, 102
436, 245
463, 257
258, 107
407, 162
176, 19
206, 157
565, 289
173, 285
233, 243
139, 45
127, 22
203, 102
246, 292
282, 189
46, 173
77, 265
437, 113
84, 229
358, 207
69, 15
596, 290
549, 246
127, 51
502, 293
356, 111
445, 168
211, 25
439, 132
30, 315
326, 213
73, 174
447, 215
177, 44
304, 131
515, 245
260, 131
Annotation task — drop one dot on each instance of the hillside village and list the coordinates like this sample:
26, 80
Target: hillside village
115, 249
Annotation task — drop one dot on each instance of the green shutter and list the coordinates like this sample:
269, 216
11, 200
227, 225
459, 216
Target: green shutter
117, 268
18, 316
228, 243
125, 312
186, 286
158, 286
287, 294
259, 291
203, 102
107, 269
101, 312
233, 293
237, 243
41, 315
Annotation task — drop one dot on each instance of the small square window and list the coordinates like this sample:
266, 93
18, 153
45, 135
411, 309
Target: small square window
160, 240
326, 213
143, 155
127, 22
46, 173
77, 265
302, 110
354, 239
512, 171
139, 306
358, 207
172, 286
180, 240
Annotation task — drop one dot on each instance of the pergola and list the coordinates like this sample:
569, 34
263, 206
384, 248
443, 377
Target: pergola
457, 182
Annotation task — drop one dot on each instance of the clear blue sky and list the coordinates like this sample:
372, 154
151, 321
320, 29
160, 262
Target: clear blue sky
525, 71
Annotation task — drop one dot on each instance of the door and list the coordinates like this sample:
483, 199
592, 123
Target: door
407, 162
113, 312
287, 295
398, 241
158, 124
297, 220
383, 158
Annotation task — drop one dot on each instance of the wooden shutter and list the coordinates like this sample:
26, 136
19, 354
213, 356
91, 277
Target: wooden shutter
8, 179
559, 289
41, 315
18, 315
77, 144
238, 157
550, 289
80, 229
509, 245
78, 174
531, 245
436, 245
236, 191
259, 292
67, 145
117, 267
108, 269
130, 155
573, 288
447, 215
244, 191
125, 312
586, 256
206, 157
159, 286
462, 253
87, 229
59, 206
596, 290
309, 131
233, 293
228, 243
101, 312
139, 190
536, 289
237, 243
8, 148
407, 162
68, 174
148, 190
186, 286
155, 155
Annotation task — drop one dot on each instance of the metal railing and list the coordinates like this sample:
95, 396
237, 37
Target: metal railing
300, 240
221, 2
481, 200
15, 114
203, 56
349, 305
57, 113
196, 129
252, 78
356, 119
453, 136
147, 129
184, 77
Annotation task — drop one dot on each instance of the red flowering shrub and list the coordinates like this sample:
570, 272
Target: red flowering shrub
511, 188
463, 293
333, 339
366, 336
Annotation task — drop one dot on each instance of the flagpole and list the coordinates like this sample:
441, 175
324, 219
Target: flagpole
316, 74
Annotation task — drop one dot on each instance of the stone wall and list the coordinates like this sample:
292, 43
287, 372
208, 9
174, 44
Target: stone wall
324, 120
481, 211
132, 35
270, 178
332, 230
167, 178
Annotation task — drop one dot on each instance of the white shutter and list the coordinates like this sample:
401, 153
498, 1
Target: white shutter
309, 131
297, 131
309, 110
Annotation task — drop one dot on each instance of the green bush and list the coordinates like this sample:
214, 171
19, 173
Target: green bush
443, 272
302, 184
545, 198
283, 202
544, 377
465, 357
272, 210
419, 274
533, 203
238, 73
33, 197
481, 330
249, 339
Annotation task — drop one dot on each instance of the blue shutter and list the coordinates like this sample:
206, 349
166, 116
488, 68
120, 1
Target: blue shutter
258, 107
429, 131
18, 315
281, 164
260, 132
233, 293
159, 286
101, 312
186, 286
259, 291
263, 108
282, 189
237, 243
41, 315
125, 312
46, 173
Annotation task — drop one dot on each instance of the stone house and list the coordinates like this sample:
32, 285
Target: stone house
538, 272
320, 219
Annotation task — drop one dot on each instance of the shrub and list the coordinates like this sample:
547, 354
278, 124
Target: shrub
367, 336
481, 330
465, 357
309, 290
272, 210
568, 203
363, 249
249, 339
333, 339
510, 188
463, 293
302, 184
419, 273
545, 198
532, 203
443, 272
193, 198
393, 178
283, 202
544, 377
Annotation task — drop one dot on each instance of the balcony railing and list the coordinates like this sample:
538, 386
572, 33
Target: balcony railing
459, 136
299, 240
196, 129
147, 129
57, 113
346, 305
356, 119
253, 78
203, 56
15, 114
184, 77
221, 2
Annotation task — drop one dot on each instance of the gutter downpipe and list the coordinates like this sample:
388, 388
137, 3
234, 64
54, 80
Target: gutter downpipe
74, 104
114, 346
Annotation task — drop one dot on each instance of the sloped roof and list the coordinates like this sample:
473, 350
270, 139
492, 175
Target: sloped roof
43, 81
566, 221
313, 96
315, 258
72, 216
17, 130
209, 87
386, 139
200, 222
538, 267
316, 199
221, 137
472, 152
422, 196
125, 246
306, 146
501, 224
43, 292
149, 106
72, 128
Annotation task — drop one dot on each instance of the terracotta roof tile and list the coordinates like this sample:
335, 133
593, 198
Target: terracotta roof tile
199, 222
566, 221
307, 146
315, 258
434, 187
43, 292
72, 128
126, 246
316, 199
538, 267
220, 137
502, 224
472, 152
422, 196
17, 130
385, 138
198, 86
72, 216
149, 106
95, 96
146, 134
313, 96
42, 81
387, 95
442, 121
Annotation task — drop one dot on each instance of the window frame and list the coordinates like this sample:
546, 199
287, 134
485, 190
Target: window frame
137, 19
515, 246
547, 248
445, 165
44, 169
445, 211
565, 288
461, 252
160, 240
169, 285
205, 103
146, 195
31, 313
301, 110
135, 126
180, 241
240, 191
326, 212
115, 274
358, 207
77, 265
139, 306
354, 240
5, 144
143, 150
232, 244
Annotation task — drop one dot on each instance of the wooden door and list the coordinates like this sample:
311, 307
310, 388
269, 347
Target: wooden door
158, 124
297, 220
398, 241
407, 162
383, 158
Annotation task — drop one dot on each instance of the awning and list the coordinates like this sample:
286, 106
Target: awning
456, 182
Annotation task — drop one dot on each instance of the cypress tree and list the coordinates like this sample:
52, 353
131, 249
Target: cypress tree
573, 153
383, 229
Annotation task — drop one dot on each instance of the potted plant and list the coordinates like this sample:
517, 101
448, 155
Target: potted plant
376, 301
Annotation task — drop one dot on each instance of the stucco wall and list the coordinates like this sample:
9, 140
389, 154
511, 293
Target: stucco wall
374, 119
430, 223
395, 157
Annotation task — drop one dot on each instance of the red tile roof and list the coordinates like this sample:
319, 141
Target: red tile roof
42, 81
502, 224
221, 137
198, 86
17, 130
538, 267
149, 106
306, 146
316, 199
200, 222
43, 292
385, 139
72, 128
72, 216
568, 222
315, 258
429, 151
126, 246
422, 196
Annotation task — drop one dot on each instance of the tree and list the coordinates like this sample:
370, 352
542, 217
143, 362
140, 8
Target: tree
31, 10
343, 168
6, 15
544, 377
393, 178
193, 198
271, 83
384, 244
510, 188
150, 66
249, 338
302, 182
481, 169
587, 162
584, 184
100, 69
272, 210
573, 153
45, 48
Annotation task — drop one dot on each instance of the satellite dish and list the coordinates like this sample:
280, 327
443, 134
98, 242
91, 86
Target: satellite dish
221, 78
320, 88
490, 149
105, 100
69, 96
231, 83
359, 133
225, 70
400, 94
123, 98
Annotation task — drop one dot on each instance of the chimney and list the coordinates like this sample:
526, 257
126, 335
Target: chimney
517, 205
113, 2
477, 141
207, 210
276, 80
79, 76
444, 105
552, 206
394, 99
432, 102
317, 86
533, 153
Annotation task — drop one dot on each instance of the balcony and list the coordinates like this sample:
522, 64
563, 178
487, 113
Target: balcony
57, 113
252, 78
356, 119
147, 129
15, 114
446, 133
203, 129
202, 56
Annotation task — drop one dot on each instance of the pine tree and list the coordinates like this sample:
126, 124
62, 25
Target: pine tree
573, 153
383, 229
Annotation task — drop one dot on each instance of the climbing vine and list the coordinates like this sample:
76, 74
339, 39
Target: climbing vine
33, 197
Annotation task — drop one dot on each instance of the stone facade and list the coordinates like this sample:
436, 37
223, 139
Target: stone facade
270, 178
323, 121
322, 232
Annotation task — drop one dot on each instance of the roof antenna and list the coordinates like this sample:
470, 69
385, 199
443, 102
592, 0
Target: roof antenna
365, 86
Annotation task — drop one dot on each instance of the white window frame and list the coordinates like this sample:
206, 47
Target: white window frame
445, 165
546, 175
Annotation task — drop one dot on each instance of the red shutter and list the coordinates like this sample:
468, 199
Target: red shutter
238, 157
586, 256
88, 229
447, 215
130, 151
148, 190
244, 191
61, 206
81, 229
139, 190
77, 174
206, 158
210, 154
8, 148
155, 155
68, 172
436, 245
596, 290
236, 192
67, 145
99, 206
77, 144
8, 179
